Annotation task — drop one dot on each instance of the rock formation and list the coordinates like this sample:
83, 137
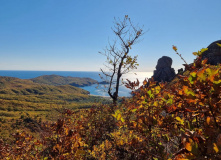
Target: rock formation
213, 54
163, 71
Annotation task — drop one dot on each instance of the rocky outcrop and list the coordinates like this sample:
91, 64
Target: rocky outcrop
180, 70
213, 54
163, 71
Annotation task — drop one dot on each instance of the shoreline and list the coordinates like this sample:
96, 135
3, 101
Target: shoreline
93, 95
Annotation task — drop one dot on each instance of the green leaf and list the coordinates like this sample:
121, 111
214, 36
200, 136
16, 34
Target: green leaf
217, 82
150, 94
193, 74
190, 78
134, 110
203, 50
195, 148
169, 101
189, 92
211, 72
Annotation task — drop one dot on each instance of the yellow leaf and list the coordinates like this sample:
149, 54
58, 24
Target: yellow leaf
218, 44
203, 50
188, 146
114, 115
117, 111
121, 142
215, 148
141, 106
118, 116
195, 53
180, 120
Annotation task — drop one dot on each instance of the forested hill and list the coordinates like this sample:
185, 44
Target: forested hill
61, 80
11, 85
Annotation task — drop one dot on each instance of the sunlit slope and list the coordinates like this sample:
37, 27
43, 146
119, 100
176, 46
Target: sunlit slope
11, 85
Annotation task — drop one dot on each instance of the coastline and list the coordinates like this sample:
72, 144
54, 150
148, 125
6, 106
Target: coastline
93, 95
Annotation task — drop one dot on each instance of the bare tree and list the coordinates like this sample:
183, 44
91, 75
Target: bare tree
119, 61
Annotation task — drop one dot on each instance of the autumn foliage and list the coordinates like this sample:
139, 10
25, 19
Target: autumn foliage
176, 120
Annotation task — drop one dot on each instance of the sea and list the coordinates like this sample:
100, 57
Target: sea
97, 90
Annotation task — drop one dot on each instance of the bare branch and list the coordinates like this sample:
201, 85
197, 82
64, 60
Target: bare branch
118, 61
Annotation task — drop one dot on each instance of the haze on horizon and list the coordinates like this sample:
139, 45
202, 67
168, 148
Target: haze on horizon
55, 35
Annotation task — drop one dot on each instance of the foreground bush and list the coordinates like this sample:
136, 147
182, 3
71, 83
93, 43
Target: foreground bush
178, 120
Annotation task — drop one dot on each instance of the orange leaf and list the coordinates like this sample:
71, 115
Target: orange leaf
208, 120
188, 146
204, 61
174, 48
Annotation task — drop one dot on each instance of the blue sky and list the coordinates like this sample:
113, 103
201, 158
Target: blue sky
66, 35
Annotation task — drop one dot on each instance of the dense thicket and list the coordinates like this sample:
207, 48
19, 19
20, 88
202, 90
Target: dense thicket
178, 120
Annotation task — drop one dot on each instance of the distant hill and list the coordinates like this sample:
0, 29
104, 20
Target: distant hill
61, 80
11, 85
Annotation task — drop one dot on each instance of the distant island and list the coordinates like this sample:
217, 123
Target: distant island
57, 80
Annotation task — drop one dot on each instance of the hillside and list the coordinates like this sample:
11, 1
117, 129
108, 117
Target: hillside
11, 85
23, 100
25, 95
61, 80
